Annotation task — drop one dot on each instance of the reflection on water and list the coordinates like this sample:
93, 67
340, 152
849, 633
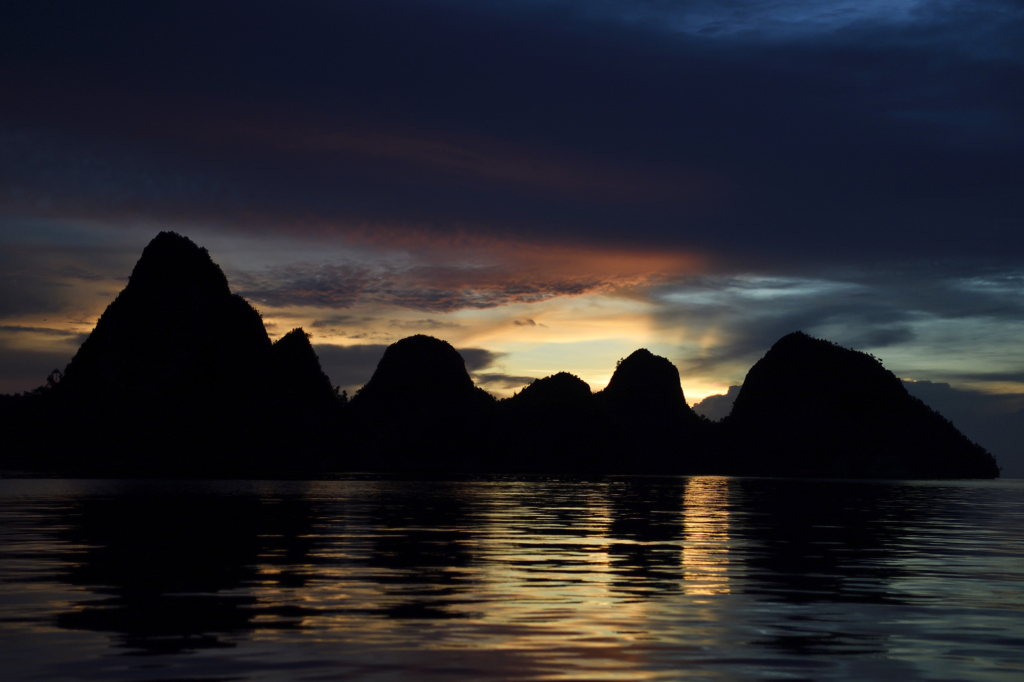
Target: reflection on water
168, 566
706, 527
624, 578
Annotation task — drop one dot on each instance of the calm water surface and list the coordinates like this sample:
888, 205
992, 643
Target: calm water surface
627, 578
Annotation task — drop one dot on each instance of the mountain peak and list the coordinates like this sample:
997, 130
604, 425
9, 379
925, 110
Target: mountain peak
173, 264
795, 340
799, 367
300, 375
175, 322
559, 389
813, 407
418, 367
644, 378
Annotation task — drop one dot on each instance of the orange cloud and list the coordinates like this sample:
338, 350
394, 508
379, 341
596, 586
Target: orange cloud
440, 279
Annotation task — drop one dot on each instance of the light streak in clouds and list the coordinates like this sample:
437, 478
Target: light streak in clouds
788, 18
923, 325
785, 20
425, 288
218, 161
478, 161
502, 274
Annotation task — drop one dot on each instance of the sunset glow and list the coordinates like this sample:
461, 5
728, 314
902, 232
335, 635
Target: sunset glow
551, 185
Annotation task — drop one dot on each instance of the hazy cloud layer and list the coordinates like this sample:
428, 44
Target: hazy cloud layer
425, 287
423, 325
62, 334
936, 312
995, 421
717, 407
349, 366
478, 359
22, 369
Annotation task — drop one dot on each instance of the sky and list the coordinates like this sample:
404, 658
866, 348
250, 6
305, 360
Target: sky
547, 184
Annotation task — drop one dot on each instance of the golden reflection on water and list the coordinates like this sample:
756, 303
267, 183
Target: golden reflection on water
706, 536
641, 579
544, 600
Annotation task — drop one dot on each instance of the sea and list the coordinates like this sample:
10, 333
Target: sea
512, 578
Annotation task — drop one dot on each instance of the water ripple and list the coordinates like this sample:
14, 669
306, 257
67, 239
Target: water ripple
527, 579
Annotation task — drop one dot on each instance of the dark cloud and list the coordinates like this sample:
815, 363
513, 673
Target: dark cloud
349, 366
942, 397
324, 286
427, 324
867, 158
524, 323
72, 271
881, 337
479, 358
335, 321
865, 310
346, 326
717, 407
23, 370
352, 366
1012, 377
27, 292
370, 336
45, 331
994, 421
61, 272
757, 132
748, 321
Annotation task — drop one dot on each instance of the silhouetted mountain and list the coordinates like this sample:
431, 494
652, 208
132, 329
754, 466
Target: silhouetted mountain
179, 376
560, 390
419, 370
302, 406
176, 328
657, 430
421, 412
812, 408
555, 425
299, 376
644, 382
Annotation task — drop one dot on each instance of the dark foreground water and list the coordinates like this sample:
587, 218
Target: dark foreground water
629, 578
